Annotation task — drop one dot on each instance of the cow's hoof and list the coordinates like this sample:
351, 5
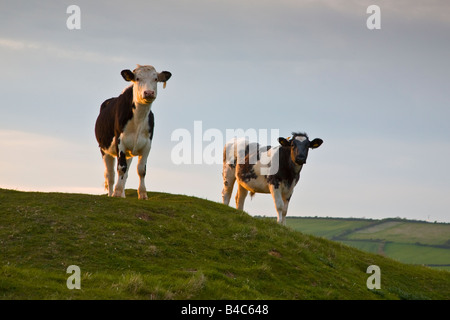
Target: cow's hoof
143, 196
118, 195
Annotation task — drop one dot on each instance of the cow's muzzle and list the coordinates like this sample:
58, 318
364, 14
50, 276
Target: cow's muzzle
149, 95
300, 161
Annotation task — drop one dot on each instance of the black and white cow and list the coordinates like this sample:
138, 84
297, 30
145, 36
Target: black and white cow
124, 128
243, 161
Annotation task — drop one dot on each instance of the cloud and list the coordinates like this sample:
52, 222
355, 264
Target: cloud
58, 51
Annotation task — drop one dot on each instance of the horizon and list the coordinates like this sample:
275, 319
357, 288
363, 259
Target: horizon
254, 215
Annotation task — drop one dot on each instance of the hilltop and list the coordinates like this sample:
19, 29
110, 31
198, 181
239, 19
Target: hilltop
180, 247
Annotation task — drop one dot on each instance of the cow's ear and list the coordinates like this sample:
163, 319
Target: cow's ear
128, 75
284, 142
315, 143
164, 76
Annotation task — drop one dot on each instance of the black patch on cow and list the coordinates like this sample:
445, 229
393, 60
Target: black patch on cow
151, 124
114, 115
245, 170
286, 170
122, 163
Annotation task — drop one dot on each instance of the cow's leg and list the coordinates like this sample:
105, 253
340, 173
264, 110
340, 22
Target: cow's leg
286, 199
240, 197
279, 204
123, 164
285, 208
109, 162
142, 170
228, 182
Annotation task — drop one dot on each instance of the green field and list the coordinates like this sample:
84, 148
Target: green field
327, 228
369, 246
407, 241
179, 247
416, 254
406, 232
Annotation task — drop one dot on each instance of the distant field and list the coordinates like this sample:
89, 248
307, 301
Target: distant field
327, 228
407, 232
369, 246
407, 241
415, 254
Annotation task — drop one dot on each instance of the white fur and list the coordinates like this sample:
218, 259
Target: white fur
146, 78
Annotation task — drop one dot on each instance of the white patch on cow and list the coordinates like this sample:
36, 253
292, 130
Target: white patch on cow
258, 185
300, 138
135, 138
145, 85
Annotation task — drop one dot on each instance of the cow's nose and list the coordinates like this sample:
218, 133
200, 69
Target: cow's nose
300, 160
149, 94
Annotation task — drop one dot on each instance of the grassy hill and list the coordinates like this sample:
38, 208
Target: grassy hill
409, 241
179, 247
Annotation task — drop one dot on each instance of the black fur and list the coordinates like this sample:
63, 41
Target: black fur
245, 170
286, 170
114, 115
151, 123
122, 163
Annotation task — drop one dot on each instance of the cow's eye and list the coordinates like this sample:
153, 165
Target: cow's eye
137, 79
156, 79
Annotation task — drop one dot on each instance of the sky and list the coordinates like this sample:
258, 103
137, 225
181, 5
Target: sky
378, 98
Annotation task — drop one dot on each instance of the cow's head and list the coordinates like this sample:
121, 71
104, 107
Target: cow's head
145, 79
300, 145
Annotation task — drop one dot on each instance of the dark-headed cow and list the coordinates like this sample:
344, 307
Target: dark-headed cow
124, 128
265, 170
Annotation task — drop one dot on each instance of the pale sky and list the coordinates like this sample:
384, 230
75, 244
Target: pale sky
378, 98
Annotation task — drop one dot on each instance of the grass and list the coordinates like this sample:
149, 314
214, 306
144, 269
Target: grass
179, 247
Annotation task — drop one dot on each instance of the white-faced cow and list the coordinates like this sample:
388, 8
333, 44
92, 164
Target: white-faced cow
243, 161
124, 128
